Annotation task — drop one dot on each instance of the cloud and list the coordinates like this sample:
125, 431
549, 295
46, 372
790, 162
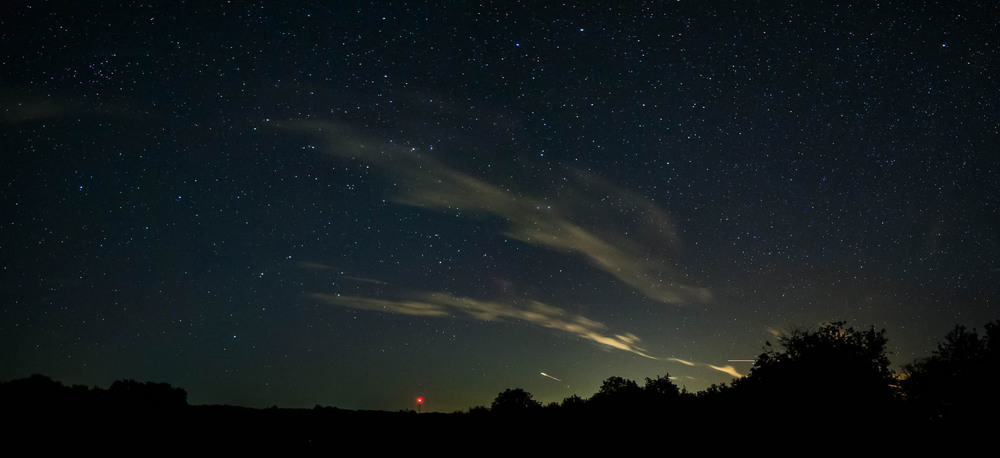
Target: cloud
436, 304
533, 312
640, 257
417, 308
727, 369
315, 266
18, 106
617, 232
23, 107
362, 279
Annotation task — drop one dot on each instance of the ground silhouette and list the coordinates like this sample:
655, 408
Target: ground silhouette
832, 385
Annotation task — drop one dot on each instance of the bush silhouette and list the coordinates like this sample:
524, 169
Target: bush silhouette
660, 390
514, 401
136, 395
831, 375
954, 383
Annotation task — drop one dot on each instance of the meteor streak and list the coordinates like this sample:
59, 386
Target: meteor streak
549, 376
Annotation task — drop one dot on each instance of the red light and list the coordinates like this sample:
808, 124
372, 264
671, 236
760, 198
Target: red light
420, 400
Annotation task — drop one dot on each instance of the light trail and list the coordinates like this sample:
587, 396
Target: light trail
549, 376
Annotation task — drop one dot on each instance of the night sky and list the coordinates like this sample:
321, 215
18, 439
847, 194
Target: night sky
357, 203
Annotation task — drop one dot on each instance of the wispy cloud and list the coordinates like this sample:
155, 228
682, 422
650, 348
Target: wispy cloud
315, 266
362, 279
404, 307
726, 369
641, 260
678, 360
436, 304
22, 107
617, 232
533, 312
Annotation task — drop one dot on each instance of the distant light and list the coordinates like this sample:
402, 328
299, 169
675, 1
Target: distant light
420, 400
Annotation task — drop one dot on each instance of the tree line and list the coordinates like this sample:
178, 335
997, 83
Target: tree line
40, 393
831, 376
831, 379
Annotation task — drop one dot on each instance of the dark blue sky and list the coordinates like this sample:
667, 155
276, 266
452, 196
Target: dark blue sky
357, 204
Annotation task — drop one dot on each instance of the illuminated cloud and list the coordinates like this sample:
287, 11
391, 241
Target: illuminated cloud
727, 369
434, 304
534, 312
640, 257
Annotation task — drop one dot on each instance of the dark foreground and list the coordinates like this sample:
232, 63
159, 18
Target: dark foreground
825, 392
718, 429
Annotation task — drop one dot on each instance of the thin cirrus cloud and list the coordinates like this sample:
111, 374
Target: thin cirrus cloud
638, 252
22, 107
642, 260
434, 304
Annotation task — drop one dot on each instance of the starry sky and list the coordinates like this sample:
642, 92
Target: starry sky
357, 203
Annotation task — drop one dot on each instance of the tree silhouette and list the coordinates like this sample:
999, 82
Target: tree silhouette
137, 395
661, 389
955, 381
573, 403
618, 394
478, 411
38, 392
833, 375
514, 401
618, 387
